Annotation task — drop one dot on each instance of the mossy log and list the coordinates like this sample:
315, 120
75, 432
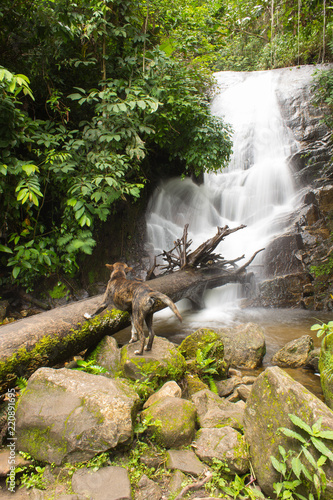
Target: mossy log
52, 337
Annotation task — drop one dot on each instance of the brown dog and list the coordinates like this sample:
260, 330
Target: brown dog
135, 297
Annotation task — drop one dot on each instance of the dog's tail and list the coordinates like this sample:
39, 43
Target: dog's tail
168, 302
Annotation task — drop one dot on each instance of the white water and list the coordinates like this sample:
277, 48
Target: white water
256, 189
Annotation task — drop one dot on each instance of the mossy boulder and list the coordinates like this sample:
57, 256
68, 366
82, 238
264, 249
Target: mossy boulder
326, 369
214, 411
172, 421
107, 355
225, 444
163, 361
70, 416
274, 396
205, 340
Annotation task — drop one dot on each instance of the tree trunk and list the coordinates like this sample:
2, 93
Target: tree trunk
52, 337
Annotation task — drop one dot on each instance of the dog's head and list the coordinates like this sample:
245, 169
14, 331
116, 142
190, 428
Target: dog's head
118, 269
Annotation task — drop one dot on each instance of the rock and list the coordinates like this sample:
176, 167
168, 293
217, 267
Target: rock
164, 359
244, 345
282, 291
275, 261
226, 387
6, 460
313, 359
326, 369
193, 384
171, 389
214, 411
225, 444
176, 482
107, 355
108, 483
70, 416
172, 421
274, 396
185, 461
244, 391
200, 340
148, 489
152, 458
295, 353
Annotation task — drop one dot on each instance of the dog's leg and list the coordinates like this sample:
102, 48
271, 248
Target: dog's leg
149, 323
134, 333
138, 319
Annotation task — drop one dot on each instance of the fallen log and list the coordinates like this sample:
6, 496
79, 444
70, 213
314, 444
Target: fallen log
54, 336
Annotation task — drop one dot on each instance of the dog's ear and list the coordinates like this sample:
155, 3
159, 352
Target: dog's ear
109, 266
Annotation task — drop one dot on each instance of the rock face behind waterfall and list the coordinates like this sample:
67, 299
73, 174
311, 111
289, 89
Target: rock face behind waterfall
298, 263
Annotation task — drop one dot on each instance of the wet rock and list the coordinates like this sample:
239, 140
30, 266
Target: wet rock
244, 345
107, 355
157, 362
295, 353
275, 261
185, 461
70, 416
172, 421
148, 489
108, 483
225, 444
313, 359
282, 291
171, 389
274, 396
214, 411
226, 387
244, 392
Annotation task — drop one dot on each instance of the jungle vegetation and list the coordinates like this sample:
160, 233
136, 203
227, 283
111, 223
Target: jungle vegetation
100, 97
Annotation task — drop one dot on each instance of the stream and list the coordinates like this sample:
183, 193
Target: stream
257, 189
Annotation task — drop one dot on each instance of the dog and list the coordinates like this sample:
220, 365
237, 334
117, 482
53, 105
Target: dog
138, 299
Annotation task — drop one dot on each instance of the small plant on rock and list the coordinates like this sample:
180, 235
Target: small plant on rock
206, 366
89, 367
293, 471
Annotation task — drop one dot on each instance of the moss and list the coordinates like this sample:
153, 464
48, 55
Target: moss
51, 349
326, 369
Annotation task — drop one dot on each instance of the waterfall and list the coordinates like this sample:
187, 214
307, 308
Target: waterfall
256, 188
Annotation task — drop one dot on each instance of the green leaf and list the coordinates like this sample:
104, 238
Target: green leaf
5, 249
326, 434
29, 169
278, 466
300, 423
296, 466
309, 457
322, 448
16, 271
292, 434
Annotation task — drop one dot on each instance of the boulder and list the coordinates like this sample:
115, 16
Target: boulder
172, 421
282, 291
70, 416
163, 360
225, 444
148, 489
185, 461
107, 355
107, 483
171, 389
201, 339
226, 387
214, 411
274, 396
295, 353
193, 384
244, 345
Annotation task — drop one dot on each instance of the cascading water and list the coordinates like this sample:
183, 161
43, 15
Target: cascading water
256, 189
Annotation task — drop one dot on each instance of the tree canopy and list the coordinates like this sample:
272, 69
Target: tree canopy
93, 92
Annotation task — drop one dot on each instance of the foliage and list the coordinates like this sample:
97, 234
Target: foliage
323, 329
89, 367
30, 475
239, 488
206, 366
290, 465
